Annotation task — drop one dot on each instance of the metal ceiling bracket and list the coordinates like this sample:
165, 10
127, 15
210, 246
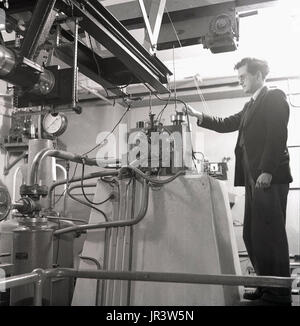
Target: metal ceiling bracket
153, 22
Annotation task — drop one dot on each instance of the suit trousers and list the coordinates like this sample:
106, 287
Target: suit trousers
265, 236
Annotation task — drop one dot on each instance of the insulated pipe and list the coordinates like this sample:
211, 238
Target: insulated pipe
93, 175
59, 154
137, 219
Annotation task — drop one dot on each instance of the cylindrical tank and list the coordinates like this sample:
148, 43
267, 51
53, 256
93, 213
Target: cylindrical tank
63, 256
45, 176
6, 239
32, 248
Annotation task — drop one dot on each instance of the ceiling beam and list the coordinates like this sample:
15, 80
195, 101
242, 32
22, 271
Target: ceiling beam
128, 12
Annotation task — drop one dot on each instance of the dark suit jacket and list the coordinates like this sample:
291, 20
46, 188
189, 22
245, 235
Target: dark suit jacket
264, 130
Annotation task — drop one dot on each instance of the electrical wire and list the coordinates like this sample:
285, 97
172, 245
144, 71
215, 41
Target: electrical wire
84, 194
175, 32
159, 116
101, 143
88, 205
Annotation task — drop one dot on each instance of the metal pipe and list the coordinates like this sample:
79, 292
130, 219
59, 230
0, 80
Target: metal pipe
130, 255
64, 219
38, 287
59, 154
14, 281
85, 177
137, 219
107, 237
151, 180
227, 279
95, 261
233, 280
64, 170
12, 164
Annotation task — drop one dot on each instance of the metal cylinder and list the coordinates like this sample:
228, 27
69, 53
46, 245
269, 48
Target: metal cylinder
32, 248
45, 176
7, 61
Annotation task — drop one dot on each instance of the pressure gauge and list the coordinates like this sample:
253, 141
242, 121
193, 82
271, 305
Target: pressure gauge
55, 123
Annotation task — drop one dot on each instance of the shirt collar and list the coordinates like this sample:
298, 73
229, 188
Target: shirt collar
255, 95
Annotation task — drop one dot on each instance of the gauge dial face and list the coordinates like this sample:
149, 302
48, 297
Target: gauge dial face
54, 124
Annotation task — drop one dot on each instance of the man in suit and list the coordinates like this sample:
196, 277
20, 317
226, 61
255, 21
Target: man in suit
262, 166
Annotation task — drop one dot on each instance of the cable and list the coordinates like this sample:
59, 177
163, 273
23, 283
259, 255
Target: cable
159, 116
88, 205
101, 143
176, 34
84, 194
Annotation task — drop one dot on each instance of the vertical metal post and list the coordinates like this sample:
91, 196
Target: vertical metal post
38, 287
75, 65
130, 258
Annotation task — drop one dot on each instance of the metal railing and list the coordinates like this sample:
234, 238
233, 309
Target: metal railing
38, 276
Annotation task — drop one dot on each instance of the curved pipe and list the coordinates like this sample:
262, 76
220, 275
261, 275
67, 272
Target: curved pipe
137, 219
59, 154
86, 177
64, 171
18, 169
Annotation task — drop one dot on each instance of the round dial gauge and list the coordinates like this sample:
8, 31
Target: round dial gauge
55, 123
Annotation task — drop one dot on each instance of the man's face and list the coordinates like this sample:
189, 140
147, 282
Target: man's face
249, 82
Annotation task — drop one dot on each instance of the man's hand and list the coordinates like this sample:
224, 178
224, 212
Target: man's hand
192, 112
264, 180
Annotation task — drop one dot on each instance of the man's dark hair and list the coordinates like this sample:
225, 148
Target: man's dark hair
254, 65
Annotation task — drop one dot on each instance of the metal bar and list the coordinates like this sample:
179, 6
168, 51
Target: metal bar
156, 14
14, 281
40, 15
38, 292
87, 62
75, 67
153, 23
12, 164
147, 22
107, 239
234, 280
130, 258
59, 154
122, 33
115, 42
